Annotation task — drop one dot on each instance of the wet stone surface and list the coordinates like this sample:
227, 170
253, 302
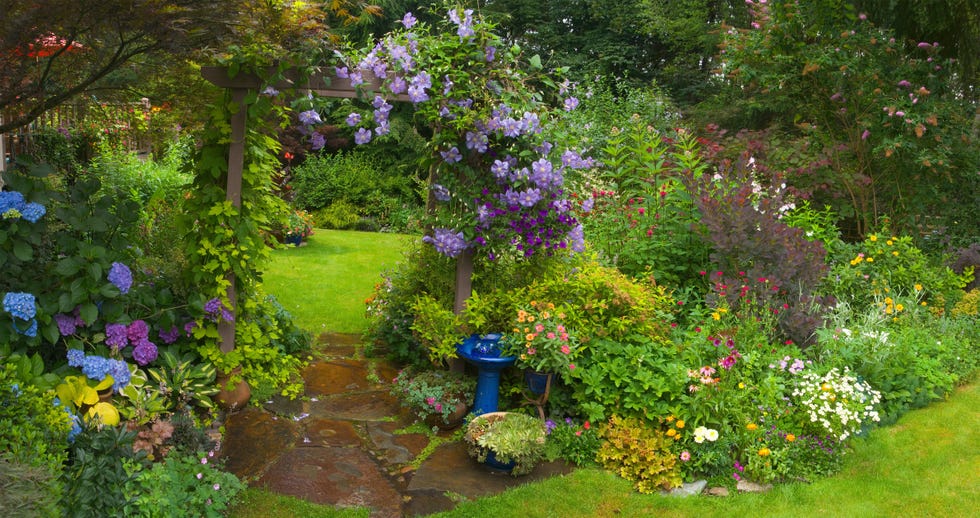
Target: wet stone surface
340, 445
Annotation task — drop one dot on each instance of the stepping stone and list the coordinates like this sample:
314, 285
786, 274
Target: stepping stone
342, 477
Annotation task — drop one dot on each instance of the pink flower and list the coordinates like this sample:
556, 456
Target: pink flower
531, 350
438, 407
685, 455
200, 476
865, 135
204, 460
566, 349
430, 400
539, 328
550, 335
571, 366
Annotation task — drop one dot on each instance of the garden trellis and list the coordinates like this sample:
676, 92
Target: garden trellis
240, 86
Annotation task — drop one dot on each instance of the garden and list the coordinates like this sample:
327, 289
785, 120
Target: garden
735, 309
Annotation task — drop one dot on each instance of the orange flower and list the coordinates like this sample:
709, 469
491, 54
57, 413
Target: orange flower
764, 452
671, 432
790, 437
679, 423
752, 426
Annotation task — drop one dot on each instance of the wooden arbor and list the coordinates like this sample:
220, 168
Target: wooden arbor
325, 85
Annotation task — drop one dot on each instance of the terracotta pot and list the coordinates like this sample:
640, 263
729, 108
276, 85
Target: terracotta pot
232, 396
452, 422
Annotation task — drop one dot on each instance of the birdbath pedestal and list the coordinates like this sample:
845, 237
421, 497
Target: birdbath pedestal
483, 352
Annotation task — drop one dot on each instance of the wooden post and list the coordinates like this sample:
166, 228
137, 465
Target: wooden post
236, 165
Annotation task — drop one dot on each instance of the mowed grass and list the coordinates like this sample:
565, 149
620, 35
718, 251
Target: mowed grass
324, 283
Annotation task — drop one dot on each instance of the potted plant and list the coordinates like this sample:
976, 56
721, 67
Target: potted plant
300, 226
439, 398
510, 441
542, 344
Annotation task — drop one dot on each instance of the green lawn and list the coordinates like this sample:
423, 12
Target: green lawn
324, 282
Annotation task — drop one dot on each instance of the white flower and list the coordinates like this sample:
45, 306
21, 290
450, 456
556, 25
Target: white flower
711, 435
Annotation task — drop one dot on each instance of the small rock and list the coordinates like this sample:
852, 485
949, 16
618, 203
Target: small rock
687, 489
751, 487
717, 491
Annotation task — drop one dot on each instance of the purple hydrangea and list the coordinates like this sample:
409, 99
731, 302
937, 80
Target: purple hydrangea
121, 277
20, 305
116, 336
66, 324
137, 331
170, 336
75, 357
145, 352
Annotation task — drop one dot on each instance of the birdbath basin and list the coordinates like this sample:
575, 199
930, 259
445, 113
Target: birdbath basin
483, 352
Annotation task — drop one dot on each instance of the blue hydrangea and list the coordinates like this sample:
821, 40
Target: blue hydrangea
20, 305
76, 426
95, 367
119, 371
30, 331
75, 357
11, 200
33, 212
121, 277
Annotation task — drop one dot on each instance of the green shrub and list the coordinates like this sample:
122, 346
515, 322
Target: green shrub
890, 266
339, 215
183, 484
576, 443
639, 452
99, 468
34, 427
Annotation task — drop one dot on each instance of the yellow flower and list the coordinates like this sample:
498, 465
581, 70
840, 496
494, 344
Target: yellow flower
529, 337
679, 423
545, 315
741, 385
889, 242
888, 310
918, 287
899, 307
764, 452
790, 437
752, 426
895, 253
670, 419
923, 303
870, 259
826, 387
530, 318
873, 238
889, 301
671, 432
716, 315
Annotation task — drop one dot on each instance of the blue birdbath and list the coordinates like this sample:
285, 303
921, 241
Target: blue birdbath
483, 351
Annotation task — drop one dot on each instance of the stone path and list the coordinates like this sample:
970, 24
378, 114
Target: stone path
338, 446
